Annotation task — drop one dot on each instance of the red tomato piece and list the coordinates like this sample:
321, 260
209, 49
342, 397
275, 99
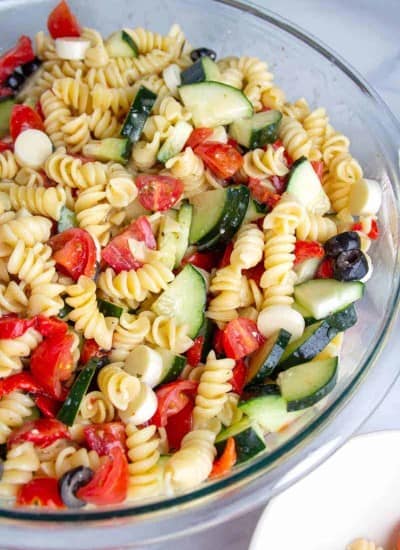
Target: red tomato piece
12, 327
48, 406
42, 491
158, 193
109, 484
204, 260
263, 194
172, 398
23, 381
325, 270
303, 250
50, 326
241, 337
279, 183
179, 424
374, 231
224, 464
357, 227
24, 118
5, 146
238, 379
193, 354
221, 158
318, 166
279, 143
104, 437
233, 143
117, 253
90, 349
198, 135
255, 272
62, 22
218, 343
74, 252
21, 53
226, 258
41, 432
51, 363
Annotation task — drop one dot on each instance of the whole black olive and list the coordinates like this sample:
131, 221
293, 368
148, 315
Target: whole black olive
69, 484
349, 240
31, 67
351, 265
15, 81
202, 52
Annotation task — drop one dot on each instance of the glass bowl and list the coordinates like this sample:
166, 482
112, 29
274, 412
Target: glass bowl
303, 67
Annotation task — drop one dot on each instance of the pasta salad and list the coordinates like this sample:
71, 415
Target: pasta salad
181, 252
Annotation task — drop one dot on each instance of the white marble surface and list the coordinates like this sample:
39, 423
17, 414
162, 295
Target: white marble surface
365, 33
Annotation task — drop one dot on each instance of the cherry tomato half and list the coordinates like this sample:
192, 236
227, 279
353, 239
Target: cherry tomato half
304, 250
109, 484
74, 252
172, 398
158, 193
51, 363
325, 269
62, 22
241, 337
193, 354
238, 379
12, 327
50, 326
41, 432
24, 118
179, 424
90, 349
117, 253
221, 158
20, 54
104, 437
318, 166
42, 491
198, 135
262, 193
204, 260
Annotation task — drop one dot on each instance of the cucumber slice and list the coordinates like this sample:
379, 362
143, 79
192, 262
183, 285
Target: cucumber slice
304, 184
173, 365
108, 309
306, 270
215, 104
257, 131
304, 385
67, 220
204, 69
138, 113
63, 313
173, 235
255, 211
217, 215
263, 362
120, 44
207, 330
71, 405
6, 105
308, 318
269, 411
184, 300
321, 297
115, 149
249, 439
175, 142
184, 219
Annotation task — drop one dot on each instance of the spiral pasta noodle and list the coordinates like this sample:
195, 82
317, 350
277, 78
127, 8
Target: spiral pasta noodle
256, 77
298, 110
8, 165
14, 408
86, 315
273, 98
144, 154
230, 413
192, 464
69, 458
68, 170
286, 216
20, 465
74, 93
363, 544
102, 124
27, 228
121, 189
261, 164
118, 386
76, 133
13, 298
248, 247
97, 408
315, 125
189, 168
213, 389
129, 333
92, 209
294, 138
147, 41
96, 55
143, 453
226, 284
166, 333
37, 200
314, 227
29, 176
56, 114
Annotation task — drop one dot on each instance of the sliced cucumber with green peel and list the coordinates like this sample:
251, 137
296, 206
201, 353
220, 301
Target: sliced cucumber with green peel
207, 331
6, 106
184, 219
173, 235
306, 270
184, 300
304, 184
308, 318
109, 309
115, 149
203, 70
138, 114
72, 403
217, 215
173, 365
121, 44
215, 104
322, 297
264, 361
343, 319
67, 220
248, 436
255, 211
304, 385
269, 411
257, 131
175, 142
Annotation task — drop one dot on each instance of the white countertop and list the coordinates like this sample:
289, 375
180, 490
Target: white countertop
365, 33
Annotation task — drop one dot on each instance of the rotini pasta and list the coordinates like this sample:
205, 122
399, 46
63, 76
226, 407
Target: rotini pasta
37, 200
20, 465
145, 474
14, 408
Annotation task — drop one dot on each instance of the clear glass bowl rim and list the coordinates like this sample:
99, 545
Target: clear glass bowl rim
203, 496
